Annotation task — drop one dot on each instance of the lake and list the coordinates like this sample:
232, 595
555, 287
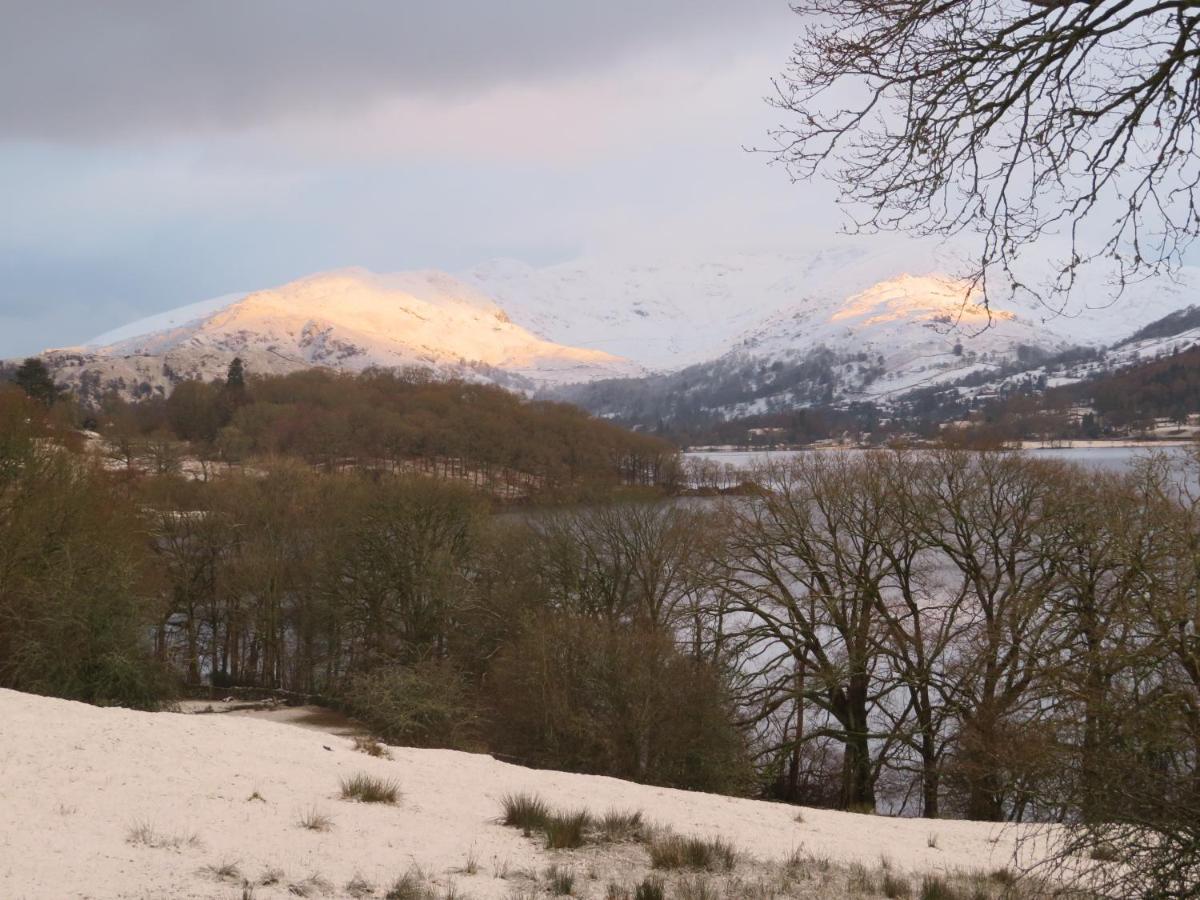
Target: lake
1113, 458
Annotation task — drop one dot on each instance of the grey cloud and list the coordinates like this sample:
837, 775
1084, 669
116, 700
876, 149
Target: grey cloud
103, 69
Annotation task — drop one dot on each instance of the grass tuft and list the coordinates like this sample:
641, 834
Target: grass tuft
566, 831
621, 825
410, 886
562, 881
935, 887
315, 819
695, 889
699, 854
226, 870
528, 812
370, 789
894, 887
312, 886
146, 835
650, 889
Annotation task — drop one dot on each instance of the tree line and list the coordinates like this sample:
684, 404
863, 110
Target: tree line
394, 421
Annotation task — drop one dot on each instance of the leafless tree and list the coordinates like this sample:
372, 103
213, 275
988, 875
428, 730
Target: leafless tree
1014, 120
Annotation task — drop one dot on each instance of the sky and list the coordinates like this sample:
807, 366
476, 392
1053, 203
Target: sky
154, 154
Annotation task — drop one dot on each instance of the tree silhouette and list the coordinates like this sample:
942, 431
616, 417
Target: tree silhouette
1014, 120
34, 379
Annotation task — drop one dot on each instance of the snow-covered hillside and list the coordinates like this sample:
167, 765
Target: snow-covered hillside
876, 321
107, 803
674, 313
347, 320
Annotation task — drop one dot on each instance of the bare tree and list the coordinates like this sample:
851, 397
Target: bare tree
1012, 119
806, 572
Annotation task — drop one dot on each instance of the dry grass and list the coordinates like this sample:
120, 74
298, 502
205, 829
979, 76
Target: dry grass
146, 835
370, 789
621, 825
528, 812
566, 831
410, 886
226, 870
671, 851
315, 819
313, 886
371, 747
561, 881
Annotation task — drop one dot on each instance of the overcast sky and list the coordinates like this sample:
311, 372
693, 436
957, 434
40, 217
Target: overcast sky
157, 153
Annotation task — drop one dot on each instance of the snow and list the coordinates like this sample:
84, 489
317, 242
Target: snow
605, 317
76, 778
670, 313
180, 317
349, 320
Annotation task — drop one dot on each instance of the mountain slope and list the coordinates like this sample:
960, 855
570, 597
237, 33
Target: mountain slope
347, 320
672, 313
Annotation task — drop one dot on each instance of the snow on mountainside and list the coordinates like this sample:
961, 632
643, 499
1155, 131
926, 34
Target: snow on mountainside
348, 320
901, 333
852, 321
679, 312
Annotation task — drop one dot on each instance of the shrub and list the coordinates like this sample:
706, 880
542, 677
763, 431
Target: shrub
701, 854
427, 704
566, 831
370, 789
525, 811
371, 747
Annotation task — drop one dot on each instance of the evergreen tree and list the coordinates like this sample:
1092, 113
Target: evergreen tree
34, 379
235, 380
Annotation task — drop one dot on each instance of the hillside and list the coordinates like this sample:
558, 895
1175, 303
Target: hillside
677, 339
348, 320
109, 803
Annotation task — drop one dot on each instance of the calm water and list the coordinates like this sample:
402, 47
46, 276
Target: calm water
1111, 458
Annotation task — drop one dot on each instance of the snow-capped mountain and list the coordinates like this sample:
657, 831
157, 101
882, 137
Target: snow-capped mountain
728, 335
348, 320
672, 313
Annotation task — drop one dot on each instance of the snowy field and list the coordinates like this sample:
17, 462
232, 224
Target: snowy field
107, 803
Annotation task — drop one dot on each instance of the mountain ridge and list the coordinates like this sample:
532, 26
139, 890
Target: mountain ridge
874, 323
